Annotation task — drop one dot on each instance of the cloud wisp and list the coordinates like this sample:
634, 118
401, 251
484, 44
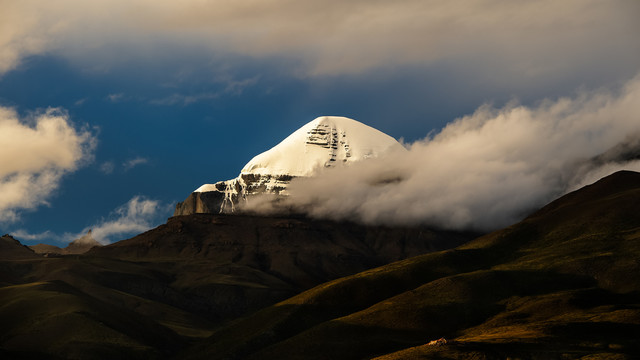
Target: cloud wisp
232, 87
36, 153
131, 163
485, 170
107, 167
115, 98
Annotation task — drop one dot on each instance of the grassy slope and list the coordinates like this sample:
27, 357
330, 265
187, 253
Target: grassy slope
561, 284
105, 302
56, 319
180, 279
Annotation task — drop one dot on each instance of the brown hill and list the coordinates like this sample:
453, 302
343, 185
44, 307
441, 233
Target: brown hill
11, 248
561, 284
46, 249
79, 246
52, 319
298, 251
184, 277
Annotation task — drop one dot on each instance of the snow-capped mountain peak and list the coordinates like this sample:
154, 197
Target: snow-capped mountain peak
324, 142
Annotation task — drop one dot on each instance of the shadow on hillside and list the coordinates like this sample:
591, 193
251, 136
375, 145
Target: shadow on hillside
417, 316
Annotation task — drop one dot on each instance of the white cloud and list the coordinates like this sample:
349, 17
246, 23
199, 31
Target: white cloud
48, 235
137, 215
485, 170
531, 38
36, 153
131, 163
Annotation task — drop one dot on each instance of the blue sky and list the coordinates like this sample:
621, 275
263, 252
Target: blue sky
166, 96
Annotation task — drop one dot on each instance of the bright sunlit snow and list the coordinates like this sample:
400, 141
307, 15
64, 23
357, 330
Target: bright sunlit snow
323, 142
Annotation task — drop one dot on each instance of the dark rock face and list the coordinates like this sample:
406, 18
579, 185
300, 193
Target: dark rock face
209, 202
227, 194
298, 251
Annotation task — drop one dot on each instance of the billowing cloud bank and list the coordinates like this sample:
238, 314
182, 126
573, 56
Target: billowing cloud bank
35, 154
536, 38
485, 170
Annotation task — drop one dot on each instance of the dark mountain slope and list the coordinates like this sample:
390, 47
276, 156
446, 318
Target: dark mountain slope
55, 319
230, 264
299, 251
11, 248
178, 282
563, 283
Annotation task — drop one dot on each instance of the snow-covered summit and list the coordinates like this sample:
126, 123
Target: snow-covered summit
322, 143
318, 144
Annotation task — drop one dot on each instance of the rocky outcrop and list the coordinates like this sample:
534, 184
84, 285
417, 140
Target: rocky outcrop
224, 196
210, 202
82, 244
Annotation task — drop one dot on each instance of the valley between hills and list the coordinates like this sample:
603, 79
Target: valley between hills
561, 284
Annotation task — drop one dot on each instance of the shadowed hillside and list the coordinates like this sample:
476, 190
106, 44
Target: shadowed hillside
11, 248
298, 251
150, 296
54, 318
562, 284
